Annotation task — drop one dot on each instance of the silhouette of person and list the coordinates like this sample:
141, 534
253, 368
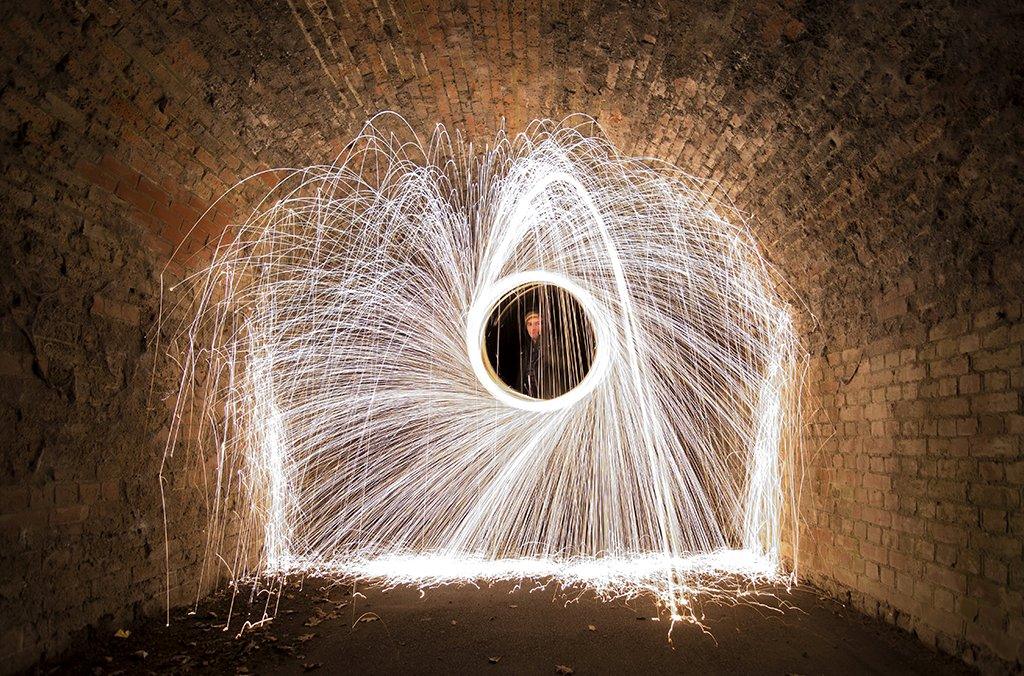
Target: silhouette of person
530, 357
540, 372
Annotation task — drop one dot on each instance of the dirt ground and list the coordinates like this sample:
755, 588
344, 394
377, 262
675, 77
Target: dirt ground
334, 628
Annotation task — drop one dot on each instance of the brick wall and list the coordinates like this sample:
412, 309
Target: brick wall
81, 523
875, 144
914, 499
102, 190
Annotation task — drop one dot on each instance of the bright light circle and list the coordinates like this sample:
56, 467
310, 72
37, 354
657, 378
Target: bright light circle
476, 323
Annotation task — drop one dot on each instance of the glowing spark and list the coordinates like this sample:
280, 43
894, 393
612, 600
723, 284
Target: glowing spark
333, 358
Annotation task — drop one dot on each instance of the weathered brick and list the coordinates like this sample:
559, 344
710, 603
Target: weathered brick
63, 516
953, 406
993, 520
969, 384
65, 494
14, 499
954, 366
956, 326
1006, 358
850, 180
1007, 402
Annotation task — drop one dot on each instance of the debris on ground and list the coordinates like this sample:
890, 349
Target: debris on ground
194, 643
319, 615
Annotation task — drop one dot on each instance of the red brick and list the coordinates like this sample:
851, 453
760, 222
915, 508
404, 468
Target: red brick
126, 190
96, 175
152, 191
120, 172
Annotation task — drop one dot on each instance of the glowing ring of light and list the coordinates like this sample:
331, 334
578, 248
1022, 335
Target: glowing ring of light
476, 324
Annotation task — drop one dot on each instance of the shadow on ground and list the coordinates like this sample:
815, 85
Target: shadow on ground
337, 628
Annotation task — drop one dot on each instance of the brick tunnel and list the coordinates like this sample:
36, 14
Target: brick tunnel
873, 149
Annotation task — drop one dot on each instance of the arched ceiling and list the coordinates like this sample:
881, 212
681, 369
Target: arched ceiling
875, 145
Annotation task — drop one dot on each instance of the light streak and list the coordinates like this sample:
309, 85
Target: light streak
332, 359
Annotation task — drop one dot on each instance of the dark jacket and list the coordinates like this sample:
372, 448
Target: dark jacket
541, 370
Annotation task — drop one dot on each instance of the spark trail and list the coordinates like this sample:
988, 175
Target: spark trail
332, 367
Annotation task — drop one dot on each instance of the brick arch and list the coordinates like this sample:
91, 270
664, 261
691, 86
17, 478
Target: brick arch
875, 146
804, 116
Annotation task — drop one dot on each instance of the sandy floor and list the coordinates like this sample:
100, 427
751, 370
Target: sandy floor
501, 628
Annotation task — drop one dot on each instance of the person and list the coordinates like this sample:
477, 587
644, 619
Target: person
538, 362
530, 356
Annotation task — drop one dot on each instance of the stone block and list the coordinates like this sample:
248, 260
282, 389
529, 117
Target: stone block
999, 402
1005, 358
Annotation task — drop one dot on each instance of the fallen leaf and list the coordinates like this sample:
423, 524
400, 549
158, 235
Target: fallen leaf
591, 627
305, 637
141, 654
311, 666
562, 669
493, 660
122, 633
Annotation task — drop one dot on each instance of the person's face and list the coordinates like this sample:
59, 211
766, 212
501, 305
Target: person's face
533, 327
